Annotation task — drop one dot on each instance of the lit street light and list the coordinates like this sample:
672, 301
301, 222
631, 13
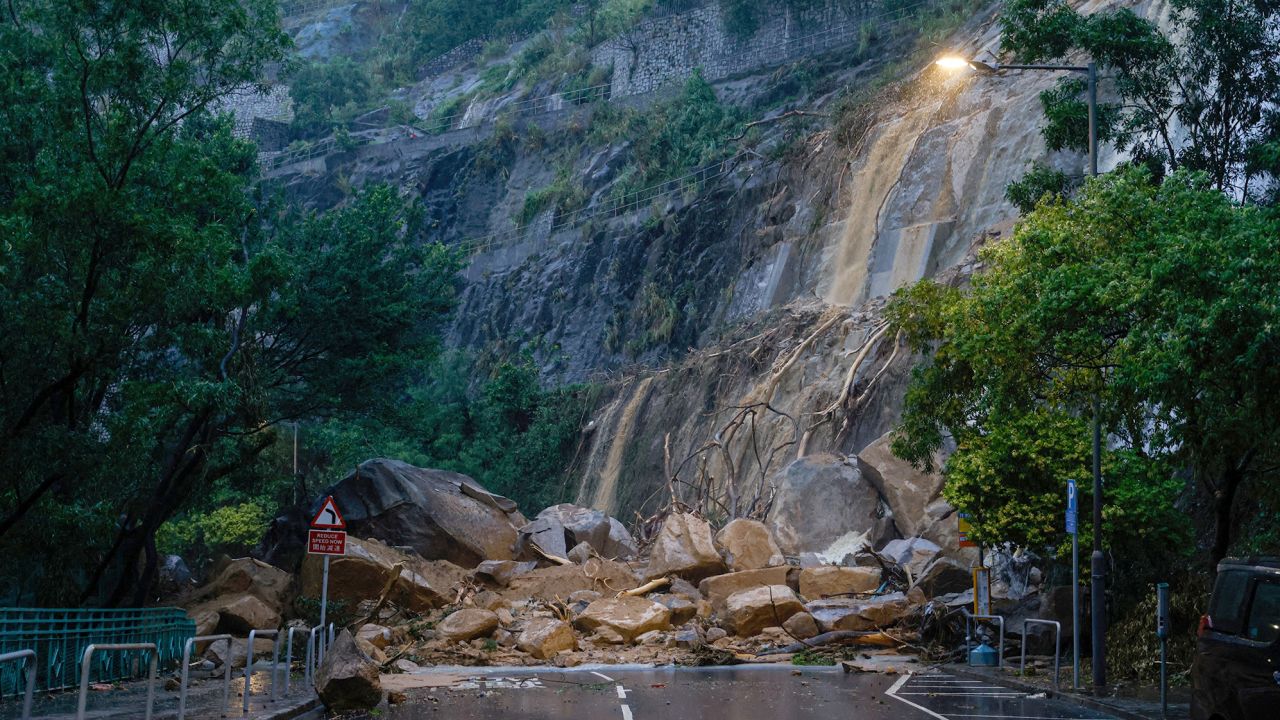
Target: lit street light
1097, 561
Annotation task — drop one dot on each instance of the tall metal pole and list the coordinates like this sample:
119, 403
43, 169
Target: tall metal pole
1075, 610
324, 598
295, 463
1098, 560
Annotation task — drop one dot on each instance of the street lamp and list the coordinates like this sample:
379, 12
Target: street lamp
1097, 560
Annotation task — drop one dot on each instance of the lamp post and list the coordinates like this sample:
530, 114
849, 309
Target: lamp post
1097, 560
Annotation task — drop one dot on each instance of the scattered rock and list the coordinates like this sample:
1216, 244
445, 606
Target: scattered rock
607, 636
468, 625
820, 582
748, 545
750, 611
802, 626
347, 679
490, 600
559, 528
716, 633
173, 575
653, 637
629, 617
684, 548
504, 638
501, 572
913, 554
682, 609
825, 505
373, 651
580, 553
844, 614
945, 575
718, 589
685, 639
557, 583
586, 596
406, 665
376, 635
247, 612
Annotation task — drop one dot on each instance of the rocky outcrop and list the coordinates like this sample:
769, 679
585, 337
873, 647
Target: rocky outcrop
684, 548
748, 545
347, 680
628, 617
367, 567
824, 505
751, 611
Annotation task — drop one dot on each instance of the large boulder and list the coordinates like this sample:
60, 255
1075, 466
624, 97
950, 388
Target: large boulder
468, 624
559, 528
544, 637
173, 575
751, 611
363, 572
914, 496
748, 545
239, 615
245, 594
501, 572
684, 548
560, 581
824, 505
945, 575
871, 614
629, 617
347, 680
441, 515
717, 589
829, 580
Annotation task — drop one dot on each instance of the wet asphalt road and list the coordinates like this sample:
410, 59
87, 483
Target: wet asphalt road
732, 693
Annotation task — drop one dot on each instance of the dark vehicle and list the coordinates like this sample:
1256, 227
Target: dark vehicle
1236, 672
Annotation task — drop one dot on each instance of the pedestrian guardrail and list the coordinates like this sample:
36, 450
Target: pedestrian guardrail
1057, 645
87, 661
288, 660
248, 663
29, 658
971, 620
59, 637
186, 668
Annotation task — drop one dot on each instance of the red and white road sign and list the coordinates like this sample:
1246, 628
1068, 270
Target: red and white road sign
329, 517
327, 542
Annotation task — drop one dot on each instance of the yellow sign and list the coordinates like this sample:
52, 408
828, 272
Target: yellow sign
981, 591
965, 529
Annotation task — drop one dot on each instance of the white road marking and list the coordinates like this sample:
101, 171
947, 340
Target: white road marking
602, 676
893, 693
1020, 717
622, 693
967, 694
626, 713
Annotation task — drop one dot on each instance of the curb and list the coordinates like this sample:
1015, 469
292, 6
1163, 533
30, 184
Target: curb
291, 712
1076, 698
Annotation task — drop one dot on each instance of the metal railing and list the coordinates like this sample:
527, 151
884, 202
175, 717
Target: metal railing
1057, 646
149, 648
186, 668
971, 621
29, 658
59, 636
248, 663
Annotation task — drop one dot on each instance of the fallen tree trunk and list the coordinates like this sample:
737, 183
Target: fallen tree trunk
862, 637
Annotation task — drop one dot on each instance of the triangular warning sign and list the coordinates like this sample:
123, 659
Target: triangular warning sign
329, 518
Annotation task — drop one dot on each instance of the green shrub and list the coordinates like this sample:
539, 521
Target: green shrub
203, 535
326, 93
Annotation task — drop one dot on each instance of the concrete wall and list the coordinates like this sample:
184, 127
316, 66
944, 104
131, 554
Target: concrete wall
667, 50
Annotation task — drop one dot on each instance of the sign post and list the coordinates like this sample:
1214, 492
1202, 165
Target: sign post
1073, 507
327, 537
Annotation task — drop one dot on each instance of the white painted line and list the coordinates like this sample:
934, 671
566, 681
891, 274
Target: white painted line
626, 713
602, 676
622, 693
1021, 717
893, 693
973, 694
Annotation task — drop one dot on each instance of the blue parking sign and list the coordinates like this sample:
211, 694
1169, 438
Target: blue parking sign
1073, 506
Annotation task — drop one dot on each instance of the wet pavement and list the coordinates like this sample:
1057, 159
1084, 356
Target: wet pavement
731, 693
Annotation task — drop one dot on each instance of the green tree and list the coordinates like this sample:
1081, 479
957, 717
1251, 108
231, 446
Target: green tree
1155, 299
159, 321
1200, 97
327, 93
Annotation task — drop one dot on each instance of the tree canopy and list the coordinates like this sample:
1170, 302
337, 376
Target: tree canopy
1199, 97
160, 319
1155, 299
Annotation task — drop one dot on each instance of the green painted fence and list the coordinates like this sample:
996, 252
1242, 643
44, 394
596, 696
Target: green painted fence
59, 637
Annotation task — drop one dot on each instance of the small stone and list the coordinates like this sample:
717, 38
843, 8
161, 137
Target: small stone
172, 684
504, 616
397, 698
406, 665
586, 596
468, 624
802, 626
716, 633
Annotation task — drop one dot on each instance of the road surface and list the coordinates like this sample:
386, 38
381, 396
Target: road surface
733, 693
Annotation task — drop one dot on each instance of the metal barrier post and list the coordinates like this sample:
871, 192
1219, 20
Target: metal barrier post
186, 668
317, 654
1000, 621
248, 663
306, 663
288, 660
31, 677
1057, 646
84, 673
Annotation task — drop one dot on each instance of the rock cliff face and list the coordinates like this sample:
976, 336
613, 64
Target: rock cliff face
736, 324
